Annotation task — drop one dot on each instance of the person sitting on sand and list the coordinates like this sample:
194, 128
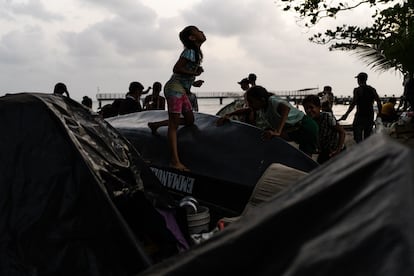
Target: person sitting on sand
388, 112
331, 134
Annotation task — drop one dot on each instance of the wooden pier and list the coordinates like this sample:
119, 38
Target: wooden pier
291, 95
294, 96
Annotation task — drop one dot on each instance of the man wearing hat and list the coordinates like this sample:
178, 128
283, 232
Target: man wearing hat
364, 97
244, 84
241, 112
132, 101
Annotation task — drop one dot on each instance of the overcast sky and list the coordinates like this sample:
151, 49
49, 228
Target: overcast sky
103, 45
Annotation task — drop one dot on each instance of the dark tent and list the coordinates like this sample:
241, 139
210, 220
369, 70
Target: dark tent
71, 191
351, 216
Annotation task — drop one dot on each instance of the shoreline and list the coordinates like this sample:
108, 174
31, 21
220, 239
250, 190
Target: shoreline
403, 134
349, 136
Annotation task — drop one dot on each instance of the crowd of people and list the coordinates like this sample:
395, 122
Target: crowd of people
316, 131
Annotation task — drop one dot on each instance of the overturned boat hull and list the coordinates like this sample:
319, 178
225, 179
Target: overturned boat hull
225, 162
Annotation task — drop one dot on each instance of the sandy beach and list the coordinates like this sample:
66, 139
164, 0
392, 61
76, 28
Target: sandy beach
403, 134
349, 136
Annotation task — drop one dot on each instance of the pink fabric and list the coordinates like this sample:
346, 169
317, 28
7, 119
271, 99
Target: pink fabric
179, 104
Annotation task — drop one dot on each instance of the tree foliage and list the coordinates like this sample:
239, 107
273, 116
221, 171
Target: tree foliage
386, 44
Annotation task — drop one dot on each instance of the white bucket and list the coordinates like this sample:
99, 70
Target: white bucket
199, 222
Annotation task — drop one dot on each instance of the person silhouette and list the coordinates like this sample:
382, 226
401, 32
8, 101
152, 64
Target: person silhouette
409, 90
281, 119
252, 79
388, 112
155, 101
86, 101
327, 99
178, 87
60, 89
132, 103
364, 97
244, 84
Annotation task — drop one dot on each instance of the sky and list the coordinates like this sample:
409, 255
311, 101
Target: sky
103, 45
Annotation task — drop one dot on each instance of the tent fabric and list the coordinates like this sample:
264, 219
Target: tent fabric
63, 170
275, 179
353, 215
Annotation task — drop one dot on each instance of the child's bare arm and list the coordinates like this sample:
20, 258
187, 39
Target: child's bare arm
283, 110
227, 116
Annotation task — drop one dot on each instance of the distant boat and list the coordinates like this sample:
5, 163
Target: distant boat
225, 162
236, 104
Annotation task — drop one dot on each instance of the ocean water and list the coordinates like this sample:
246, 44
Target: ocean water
212, 106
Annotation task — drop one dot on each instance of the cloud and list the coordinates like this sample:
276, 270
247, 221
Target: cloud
108, 43
263, 42
33, 8
117, 43
123, 7
232, 18
15, 50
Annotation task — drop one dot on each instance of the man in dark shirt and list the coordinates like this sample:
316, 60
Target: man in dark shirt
409, 90
364, 97
155, 101
131, 103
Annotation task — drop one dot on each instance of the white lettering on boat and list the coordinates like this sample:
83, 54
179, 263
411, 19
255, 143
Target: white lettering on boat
175, 181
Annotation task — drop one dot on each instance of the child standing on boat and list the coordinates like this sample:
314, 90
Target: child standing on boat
176, 89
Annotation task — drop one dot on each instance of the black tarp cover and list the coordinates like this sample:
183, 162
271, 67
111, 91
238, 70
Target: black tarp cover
351, 216
234, 152
225, 162
60, 168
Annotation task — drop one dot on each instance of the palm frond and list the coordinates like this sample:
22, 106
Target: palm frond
373, 56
